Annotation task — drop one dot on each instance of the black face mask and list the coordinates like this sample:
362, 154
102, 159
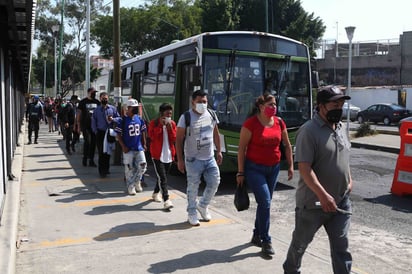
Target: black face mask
135, 111
104, 102
93, 95
334, 115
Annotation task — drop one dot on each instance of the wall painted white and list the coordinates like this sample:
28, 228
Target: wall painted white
364, 97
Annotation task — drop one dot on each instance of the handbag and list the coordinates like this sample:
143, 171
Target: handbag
241, 197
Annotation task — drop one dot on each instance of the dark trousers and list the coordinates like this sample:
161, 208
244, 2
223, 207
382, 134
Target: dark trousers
34, 126
68, 133
161, 170
89, 145
104, 158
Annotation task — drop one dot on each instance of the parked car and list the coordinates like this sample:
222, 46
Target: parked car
353, 111
383, 113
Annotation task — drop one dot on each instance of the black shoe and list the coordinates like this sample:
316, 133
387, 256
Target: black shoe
73, 148
69, 152
256, 241
92, 164
29, 143
35, 142
267, 249
84, 162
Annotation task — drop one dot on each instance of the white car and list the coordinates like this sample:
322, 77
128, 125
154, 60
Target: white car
353, 111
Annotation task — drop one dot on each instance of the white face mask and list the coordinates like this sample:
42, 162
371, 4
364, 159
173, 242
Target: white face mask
201, 108
168, 120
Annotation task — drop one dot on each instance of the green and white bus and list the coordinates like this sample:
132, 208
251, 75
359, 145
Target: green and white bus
234, 67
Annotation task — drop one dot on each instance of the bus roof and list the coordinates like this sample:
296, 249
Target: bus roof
197, 38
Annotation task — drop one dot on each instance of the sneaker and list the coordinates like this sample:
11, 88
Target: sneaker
139, 187
157, 197
192, 219
204, 212
168, 204
29, 143
267, 248
131, 189
35, 142
256, 241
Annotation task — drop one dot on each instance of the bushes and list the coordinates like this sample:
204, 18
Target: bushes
365, 130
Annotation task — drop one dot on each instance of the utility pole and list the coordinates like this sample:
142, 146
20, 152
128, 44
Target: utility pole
116, 69
61, 48
87, 70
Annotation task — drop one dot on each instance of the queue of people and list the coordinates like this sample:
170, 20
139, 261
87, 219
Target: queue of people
322, 153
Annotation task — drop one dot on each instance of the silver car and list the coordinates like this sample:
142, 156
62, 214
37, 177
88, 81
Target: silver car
353, 111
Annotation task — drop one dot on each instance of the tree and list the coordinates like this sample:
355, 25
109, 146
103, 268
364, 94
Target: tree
148, 27
73, 44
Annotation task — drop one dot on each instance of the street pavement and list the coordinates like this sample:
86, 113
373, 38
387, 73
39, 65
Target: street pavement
61, 217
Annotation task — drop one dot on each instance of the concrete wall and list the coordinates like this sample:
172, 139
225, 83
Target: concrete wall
364, 97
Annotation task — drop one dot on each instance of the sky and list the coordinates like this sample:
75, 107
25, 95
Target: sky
373, 20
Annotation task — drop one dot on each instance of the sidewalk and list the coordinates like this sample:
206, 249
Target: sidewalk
73, 221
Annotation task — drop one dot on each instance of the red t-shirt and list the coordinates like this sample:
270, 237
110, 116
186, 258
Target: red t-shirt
263, 147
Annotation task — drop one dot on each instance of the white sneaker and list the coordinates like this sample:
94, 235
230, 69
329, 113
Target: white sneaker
204, 212
157, 197
193, 220
139, 187
131, 189
168, 204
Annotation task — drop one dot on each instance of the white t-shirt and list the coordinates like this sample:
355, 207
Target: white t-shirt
166, 154
199, 135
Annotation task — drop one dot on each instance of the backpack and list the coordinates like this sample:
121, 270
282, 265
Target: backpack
187, 117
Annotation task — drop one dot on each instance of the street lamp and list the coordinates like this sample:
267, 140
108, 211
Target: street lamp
55, 29
349, 33
44, 55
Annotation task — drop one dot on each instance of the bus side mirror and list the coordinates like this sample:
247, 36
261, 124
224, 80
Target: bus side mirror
315, 79
195, 78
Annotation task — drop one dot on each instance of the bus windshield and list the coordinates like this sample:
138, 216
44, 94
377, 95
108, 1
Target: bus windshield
233, 83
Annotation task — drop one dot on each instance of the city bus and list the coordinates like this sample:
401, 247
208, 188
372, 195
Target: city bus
234, 68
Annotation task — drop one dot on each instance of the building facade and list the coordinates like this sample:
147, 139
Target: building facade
380, 63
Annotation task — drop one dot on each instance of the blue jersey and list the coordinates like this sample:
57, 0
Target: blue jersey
131, 130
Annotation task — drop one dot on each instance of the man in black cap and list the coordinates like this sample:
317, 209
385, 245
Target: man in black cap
84, 124
322, 196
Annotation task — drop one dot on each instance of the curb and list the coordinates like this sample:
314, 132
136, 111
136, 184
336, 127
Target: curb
389, 149
10, 217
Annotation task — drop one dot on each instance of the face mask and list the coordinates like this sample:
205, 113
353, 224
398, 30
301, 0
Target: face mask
104, 102
334, 115
135, 111
93, 95
168, 120
63, 105
270, 111
201, 108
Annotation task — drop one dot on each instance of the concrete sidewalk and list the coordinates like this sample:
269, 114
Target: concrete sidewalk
72, 221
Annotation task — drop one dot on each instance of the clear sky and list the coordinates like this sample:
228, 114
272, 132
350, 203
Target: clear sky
374, 20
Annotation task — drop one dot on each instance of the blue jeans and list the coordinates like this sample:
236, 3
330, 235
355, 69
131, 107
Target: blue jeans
194, 171
262, 181
307, 223
134, 166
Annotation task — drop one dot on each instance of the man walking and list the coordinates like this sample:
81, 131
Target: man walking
84, 124
102, 118
34, 114
199, 135
131, 134
322, 196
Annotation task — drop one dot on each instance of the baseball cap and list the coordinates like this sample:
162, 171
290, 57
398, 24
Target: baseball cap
329, 94
36, 97
132, 103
